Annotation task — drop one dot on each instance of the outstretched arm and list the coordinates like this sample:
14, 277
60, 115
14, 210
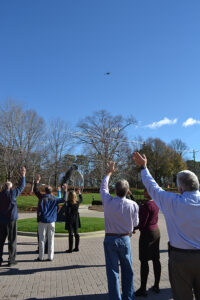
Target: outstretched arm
20, 188
35, 188
79, 195
64, 198
163, 199
105, 195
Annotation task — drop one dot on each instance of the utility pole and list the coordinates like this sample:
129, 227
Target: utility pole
194, 158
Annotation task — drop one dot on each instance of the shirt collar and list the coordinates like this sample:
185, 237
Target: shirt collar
197, 193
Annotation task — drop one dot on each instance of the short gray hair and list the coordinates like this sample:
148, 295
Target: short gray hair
121, 188
8, 185
188, 181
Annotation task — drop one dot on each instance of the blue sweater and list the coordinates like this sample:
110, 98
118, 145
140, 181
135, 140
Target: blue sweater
47, 208
8, 203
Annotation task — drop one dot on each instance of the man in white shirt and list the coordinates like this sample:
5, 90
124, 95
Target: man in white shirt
182, 216
121, 216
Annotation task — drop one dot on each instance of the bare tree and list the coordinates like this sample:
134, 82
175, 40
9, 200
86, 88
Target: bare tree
179, 146
20, 133
104, 137
59, 142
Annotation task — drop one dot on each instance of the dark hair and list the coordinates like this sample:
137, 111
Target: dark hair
48, 190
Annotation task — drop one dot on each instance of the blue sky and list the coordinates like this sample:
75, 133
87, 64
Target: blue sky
54, 55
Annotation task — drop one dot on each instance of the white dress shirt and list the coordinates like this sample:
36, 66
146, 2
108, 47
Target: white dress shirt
182, 213
121, 214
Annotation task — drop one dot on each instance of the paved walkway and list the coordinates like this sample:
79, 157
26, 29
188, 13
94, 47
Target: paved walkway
72, 276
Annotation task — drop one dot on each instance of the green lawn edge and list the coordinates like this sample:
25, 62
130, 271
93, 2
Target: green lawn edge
87, 225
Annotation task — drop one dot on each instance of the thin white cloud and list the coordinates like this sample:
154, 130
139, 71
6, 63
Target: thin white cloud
190, 122
161, 123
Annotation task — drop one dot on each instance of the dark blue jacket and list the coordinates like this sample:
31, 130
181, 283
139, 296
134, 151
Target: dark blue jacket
47, 206
8, 203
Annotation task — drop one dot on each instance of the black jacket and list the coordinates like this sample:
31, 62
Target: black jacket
72, 215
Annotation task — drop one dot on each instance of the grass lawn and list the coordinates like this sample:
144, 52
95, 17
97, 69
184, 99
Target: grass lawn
27, 203
87, 225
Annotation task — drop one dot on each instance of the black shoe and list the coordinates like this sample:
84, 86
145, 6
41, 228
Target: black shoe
13, 263
141, 293
48, 259
37, 251
68, 251
37, 259
75, 250
155, 289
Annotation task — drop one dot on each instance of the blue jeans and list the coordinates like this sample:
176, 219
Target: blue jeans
118, 249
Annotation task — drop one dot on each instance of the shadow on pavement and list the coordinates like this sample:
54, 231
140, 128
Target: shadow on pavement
165, 294
26, 253
15, 271
163, 251
81, 297
27, 243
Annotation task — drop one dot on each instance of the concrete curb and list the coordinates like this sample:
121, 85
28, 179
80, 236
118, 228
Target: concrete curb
64, 235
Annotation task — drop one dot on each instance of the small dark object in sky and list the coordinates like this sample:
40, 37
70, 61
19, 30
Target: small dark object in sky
107, 73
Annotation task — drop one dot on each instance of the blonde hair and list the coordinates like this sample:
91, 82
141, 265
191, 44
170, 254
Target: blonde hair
72, 197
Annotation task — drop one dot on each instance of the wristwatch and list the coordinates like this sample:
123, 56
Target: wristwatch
142, 167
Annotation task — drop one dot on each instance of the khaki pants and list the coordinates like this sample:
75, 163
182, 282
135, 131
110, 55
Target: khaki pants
46, 229
184, 274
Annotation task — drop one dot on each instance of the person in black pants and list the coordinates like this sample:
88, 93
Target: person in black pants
8, 218
72, 222
148, 244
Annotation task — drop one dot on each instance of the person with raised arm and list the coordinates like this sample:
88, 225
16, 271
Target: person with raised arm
47, 216
121, 216
182, 216
72, 222
148, 244
8, 218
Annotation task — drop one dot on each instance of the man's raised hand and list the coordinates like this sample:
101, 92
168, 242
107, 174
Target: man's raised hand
79, 190
139, 159
38, 178
64, 187
23, 171
111, 167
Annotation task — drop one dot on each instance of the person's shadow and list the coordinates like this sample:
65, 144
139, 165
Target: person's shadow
165, 294
81, 297
16, 271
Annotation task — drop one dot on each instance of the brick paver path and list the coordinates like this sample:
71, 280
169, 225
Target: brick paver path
72, 276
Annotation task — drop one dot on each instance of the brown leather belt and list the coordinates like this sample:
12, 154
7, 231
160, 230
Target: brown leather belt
117, 234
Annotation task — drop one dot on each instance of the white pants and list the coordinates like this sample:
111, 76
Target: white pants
46, 229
